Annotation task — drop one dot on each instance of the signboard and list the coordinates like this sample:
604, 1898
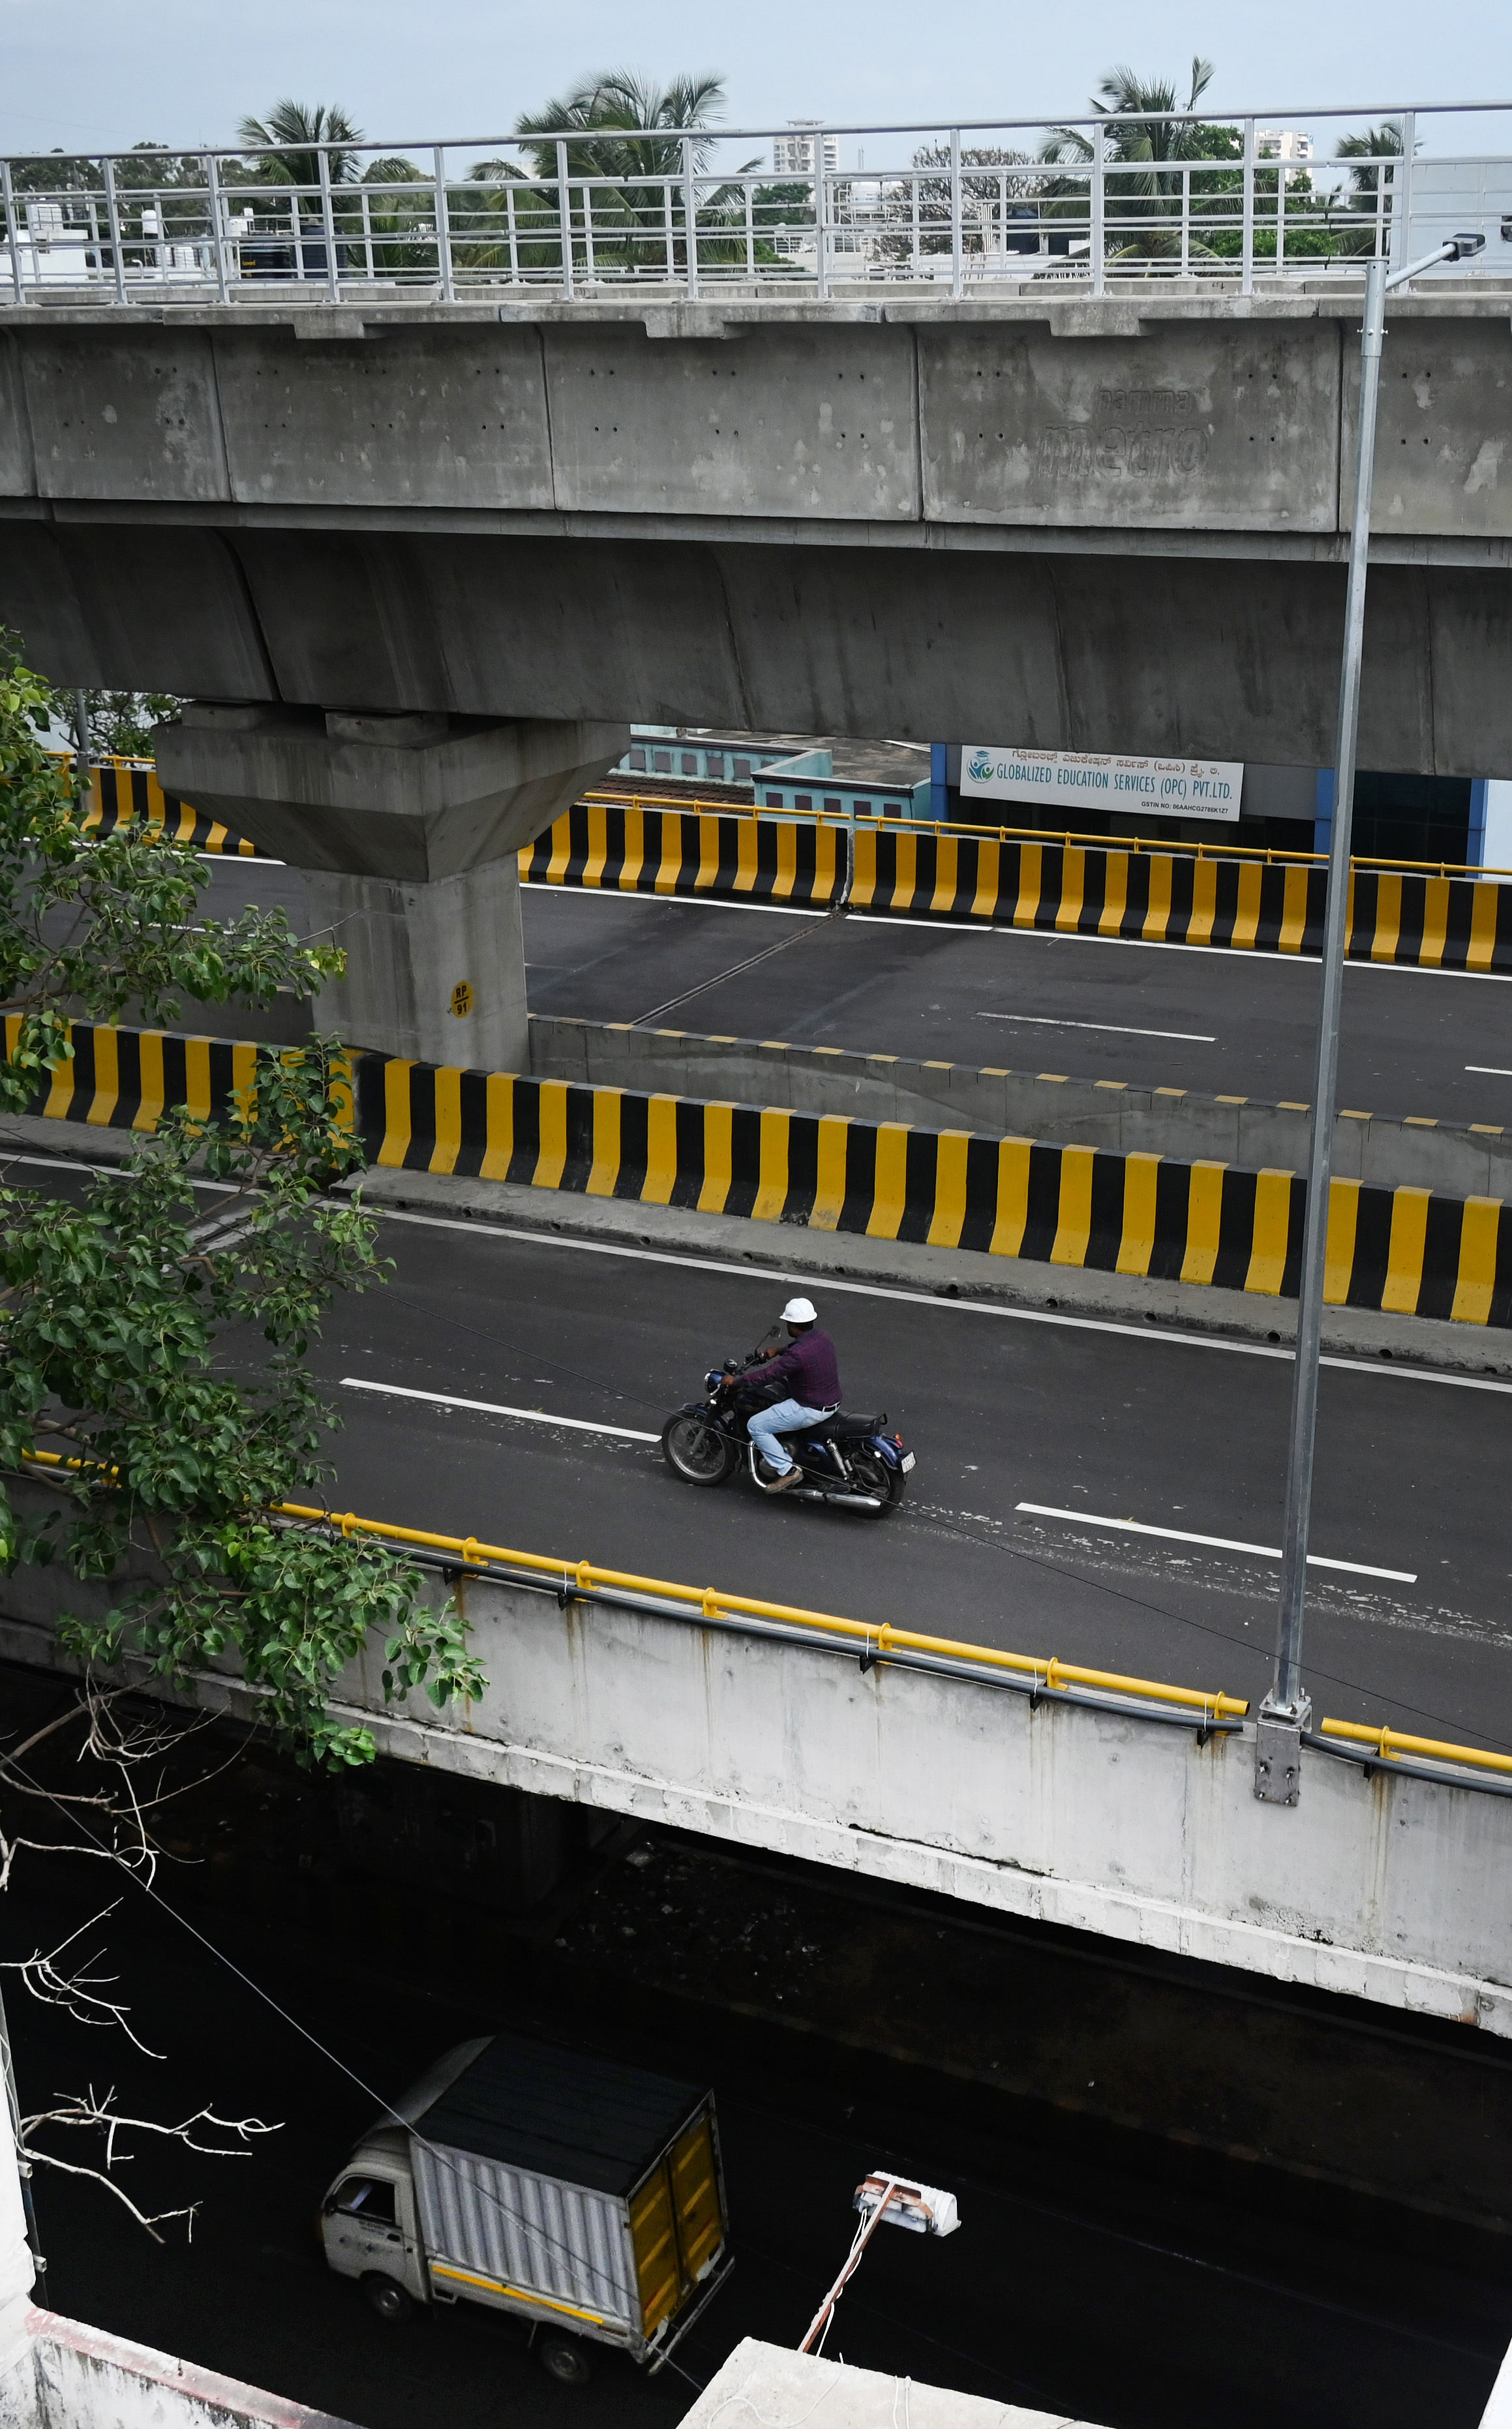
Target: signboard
1074, 780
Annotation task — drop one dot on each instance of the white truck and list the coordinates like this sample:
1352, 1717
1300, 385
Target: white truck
580, 2195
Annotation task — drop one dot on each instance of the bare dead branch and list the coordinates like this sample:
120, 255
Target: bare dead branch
79, 1992
91, 2112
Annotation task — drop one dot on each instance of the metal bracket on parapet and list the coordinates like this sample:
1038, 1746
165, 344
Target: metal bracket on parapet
1278, 1752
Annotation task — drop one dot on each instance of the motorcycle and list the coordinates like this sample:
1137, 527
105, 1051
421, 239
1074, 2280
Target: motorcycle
850, 1461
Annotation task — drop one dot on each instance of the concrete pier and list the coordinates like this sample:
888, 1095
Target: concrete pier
407, 828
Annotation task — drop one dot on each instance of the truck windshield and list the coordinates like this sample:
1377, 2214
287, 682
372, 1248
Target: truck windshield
366, 2197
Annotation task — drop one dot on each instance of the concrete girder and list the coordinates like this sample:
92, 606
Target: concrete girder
1063, 648
1080, 523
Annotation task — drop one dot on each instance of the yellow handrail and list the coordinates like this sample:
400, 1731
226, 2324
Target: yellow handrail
712, 1604
1390, 1743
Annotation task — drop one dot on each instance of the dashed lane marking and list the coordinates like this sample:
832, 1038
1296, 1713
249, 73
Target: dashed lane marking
1213, 1543
492, 1409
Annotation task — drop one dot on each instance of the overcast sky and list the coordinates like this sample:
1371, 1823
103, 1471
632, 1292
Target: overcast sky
98, 74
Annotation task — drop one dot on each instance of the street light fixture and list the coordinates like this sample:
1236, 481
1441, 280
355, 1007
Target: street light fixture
922, 2208
1287, 1709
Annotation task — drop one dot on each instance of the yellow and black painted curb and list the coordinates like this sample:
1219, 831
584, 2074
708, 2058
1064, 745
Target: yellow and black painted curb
1405, 1251
128, 794
1405, 917
124, 1078
624, 849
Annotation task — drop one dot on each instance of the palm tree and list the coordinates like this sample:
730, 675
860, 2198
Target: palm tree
285, 142
603, 105
634, 133
1144, 131
1354, 231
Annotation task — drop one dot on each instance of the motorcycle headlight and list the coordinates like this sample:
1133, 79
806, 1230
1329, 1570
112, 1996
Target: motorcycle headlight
712, 1378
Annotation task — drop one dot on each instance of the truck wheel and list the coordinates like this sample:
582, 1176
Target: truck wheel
389, 2300
564, 2359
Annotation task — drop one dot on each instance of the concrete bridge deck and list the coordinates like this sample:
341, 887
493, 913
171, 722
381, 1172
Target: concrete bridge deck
1111, 521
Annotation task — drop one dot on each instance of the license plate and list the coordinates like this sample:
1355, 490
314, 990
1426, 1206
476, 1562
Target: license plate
906, 1461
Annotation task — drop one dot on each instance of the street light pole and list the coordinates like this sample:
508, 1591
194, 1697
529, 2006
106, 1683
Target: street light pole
1287, 1709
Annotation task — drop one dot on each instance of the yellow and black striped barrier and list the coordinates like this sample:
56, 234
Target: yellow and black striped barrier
622, 847
1407, 1251
1410, 916
124, 1078
127, 793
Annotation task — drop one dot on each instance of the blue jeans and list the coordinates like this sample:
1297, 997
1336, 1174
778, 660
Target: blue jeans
788, 1417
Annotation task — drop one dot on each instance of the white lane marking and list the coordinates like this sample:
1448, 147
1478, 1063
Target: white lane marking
1494, 1070
1145, 945
695, 901
774, 1277
1038, 935
492, 1409
103, 1171
1214, 1543
1104, 1028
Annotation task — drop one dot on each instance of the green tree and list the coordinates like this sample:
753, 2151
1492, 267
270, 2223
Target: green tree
603, 106
629, 217
1154, 151
118, 724
161, 1365
285, 142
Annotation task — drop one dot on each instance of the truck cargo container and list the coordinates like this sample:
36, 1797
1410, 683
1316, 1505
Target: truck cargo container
581, 2195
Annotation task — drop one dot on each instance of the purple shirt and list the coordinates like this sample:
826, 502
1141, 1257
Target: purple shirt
809, 1368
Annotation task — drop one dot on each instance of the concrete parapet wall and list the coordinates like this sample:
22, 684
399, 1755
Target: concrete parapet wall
1407, 1251
1126, 1820
1114, 1114
69, 2376
1245, 902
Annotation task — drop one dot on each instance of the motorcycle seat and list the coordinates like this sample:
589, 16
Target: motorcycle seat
848, 1428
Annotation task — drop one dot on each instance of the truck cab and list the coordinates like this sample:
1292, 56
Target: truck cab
368, 2228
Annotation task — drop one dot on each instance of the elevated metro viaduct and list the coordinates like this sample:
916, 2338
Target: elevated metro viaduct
1084, 523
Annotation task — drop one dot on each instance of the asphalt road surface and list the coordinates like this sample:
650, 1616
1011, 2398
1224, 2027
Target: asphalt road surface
1039, 1437
1224, 1023
1221, 1022
1070, 2287
1090, 1424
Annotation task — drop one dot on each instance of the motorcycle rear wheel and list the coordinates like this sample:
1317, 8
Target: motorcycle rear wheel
871, 1474
696, 1451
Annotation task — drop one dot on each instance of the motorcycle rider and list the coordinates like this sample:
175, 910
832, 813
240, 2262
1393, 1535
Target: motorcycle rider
809, 1367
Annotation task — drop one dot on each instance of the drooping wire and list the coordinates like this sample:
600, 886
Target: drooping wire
436, 2152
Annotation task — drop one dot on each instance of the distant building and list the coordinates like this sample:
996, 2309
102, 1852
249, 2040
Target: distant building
1282, 143
792, 155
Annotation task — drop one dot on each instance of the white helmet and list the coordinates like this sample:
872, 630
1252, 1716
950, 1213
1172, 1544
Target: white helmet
800, 1311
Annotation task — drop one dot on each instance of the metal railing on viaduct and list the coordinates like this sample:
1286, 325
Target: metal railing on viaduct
1231, 202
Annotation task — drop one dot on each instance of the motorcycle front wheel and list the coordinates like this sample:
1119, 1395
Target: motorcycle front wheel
696, 1451
871, 1474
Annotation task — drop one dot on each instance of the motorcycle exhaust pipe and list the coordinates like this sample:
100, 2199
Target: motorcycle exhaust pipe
841, 1500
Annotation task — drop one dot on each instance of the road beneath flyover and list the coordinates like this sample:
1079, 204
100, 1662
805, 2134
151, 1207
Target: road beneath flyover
1089, 1424
1219, 1022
